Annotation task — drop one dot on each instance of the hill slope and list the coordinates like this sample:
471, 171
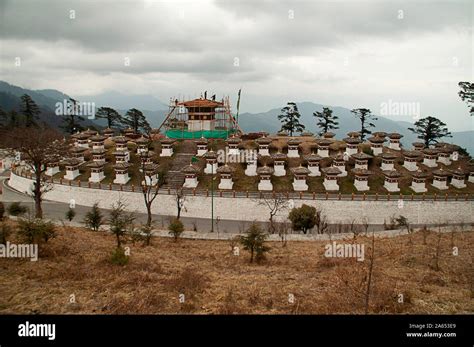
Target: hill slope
46, 100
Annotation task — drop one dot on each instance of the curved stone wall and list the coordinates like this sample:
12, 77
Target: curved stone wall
248, 209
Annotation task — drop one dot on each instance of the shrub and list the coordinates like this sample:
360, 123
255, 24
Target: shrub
176, 228
119, 257
144, 234
392, 225
303, 218
94, 218
402, 222
35, 230
16, 209
254, 242
70, 214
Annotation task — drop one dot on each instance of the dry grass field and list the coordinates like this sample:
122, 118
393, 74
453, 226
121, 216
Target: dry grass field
215, 281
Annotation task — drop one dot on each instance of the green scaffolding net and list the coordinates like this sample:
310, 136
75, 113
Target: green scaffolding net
208, 134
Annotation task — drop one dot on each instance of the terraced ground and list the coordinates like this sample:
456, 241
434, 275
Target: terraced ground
184, 151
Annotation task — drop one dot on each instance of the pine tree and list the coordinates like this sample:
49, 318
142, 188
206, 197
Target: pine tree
30, 110
121, 222
72, 118
326, 120
467, 95
13, 119
430, 129
94, 218
176, 228
365, 116
290, 119
254, 242
136, 120
108, 113
70, 214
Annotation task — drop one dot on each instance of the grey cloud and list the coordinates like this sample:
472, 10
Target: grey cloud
199, 47
260, 26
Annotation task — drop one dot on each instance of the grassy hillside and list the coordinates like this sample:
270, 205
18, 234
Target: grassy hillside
215, 281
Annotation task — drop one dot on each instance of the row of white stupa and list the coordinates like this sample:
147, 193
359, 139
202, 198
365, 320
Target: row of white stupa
122, 156
338, 169
95, 144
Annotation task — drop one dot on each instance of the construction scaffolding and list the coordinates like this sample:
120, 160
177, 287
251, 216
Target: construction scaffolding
193, 119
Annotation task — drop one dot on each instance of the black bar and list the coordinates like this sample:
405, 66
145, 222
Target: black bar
331, 330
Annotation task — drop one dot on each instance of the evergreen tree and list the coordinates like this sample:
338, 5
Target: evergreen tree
290, 119
108, 113
430, 129
254, 242
70, 214
94, 218
365, 116
326, 120
467, 95
72, 118
176, 228
121, 222
30, 110
13, 119
303, 218
136, 120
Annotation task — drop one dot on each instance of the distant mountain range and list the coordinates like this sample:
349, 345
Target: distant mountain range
347, 122
155, 111
46, 100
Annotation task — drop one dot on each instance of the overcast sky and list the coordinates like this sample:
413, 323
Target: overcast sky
342, 53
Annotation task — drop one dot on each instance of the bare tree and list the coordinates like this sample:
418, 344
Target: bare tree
149, 183
233, 242
321, 225
471, 276
452, 236
354, 228
424, 233
275, 203
37, 147
283, 229
218, 220
180, 198
365, 224
437, 251
369, 274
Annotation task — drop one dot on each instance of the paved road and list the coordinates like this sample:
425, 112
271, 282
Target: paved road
57, 210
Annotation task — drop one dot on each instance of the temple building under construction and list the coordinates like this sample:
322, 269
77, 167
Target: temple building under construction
202, 117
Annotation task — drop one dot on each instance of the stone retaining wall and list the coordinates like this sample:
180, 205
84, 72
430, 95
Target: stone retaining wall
249, 209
